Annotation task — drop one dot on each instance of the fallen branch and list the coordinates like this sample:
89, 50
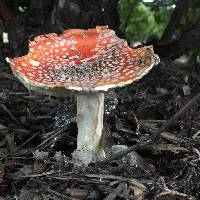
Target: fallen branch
154, 136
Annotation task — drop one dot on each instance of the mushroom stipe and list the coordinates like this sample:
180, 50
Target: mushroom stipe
87, 63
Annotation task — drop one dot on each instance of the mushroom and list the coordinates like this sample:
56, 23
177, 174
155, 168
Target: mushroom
88, 63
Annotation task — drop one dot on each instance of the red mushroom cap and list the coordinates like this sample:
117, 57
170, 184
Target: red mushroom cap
82, 60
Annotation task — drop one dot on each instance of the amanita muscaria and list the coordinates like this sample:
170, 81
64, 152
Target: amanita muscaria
87, 62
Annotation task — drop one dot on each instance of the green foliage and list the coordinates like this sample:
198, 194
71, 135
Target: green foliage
193, 12
140, 21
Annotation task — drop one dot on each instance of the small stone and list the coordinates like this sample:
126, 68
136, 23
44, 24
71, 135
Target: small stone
162, 90
186, 90
117, 148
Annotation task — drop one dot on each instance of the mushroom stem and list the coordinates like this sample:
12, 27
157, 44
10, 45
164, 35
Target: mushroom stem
90, 110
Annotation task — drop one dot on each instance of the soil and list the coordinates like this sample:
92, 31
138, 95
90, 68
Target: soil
38, 135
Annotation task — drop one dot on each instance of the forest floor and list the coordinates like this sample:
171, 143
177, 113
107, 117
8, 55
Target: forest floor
38, 135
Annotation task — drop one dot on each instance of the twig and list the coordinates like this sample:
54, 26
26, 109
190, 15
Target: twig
78, 179
63, 196
153, 137
54, 135
40, 175
17, 93
19, 147
28, 140
11, 115
132, 181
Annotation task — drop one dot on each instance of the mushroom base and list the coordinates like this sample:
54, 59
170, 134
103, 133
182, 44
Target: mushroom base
90, 111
